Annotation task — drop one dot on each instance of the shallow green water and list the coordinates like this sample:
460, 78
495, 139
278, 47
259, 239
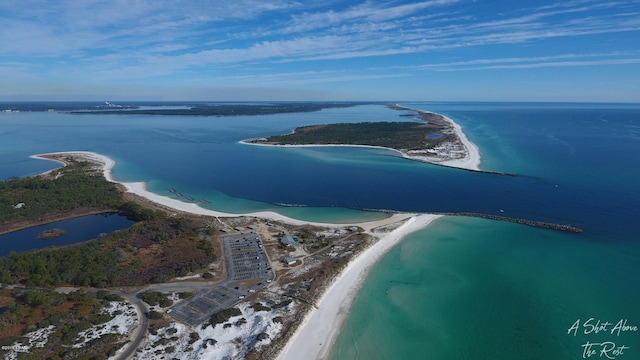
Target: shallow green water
479, 289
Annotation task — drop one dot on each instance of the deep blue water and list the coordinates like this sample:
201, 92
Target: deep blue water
76, 230
577, 164
589, 152
479, 289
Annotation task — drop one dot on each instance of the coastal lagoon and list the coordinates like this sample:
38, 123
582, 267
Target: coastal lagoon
76, 230
453, 290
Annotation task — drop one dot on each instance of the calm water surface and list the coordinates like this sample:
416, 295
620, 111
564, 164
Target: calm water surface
461, 289
75, 230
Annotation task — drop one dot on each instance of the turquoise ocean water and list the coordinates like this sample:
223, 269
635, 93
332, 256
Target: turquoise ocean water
461, 289
480, 289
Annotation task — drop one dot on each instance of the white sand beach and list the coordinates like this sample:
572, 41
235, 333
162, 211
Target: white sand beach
470, 160
315, 336
140, 189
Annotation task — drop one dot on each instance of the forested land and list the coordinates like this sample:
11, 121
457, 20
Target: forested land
395, 135
158, 247
75, 186
149, 251
228, 109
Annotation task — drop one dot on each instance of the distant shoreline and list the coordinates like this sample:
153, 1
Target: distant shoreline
470, 161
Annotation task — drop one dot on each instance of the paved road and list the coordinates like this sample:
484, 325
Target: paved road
139, 334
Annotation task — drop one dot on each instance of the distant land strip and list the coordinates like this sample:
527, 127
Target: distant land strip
226, 109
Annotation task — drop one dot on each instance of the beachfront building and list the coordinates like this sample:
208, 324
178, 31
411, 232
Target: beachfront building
286, 239
289, 261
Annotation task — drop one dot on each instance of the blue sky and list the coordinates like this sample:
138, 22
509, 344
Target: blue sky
438, 50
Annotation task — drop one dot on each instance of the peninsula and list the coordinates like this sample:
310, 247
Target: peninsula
264, 312
434, 139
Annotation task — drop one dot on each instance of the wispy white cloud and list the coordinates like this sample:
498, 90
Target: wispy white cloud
117, 41
561, 60
363, 13
546, 64
304, 78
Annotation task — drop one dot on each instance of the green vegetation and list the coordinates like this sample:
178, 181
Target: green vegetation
395, 135
224, 316
193, 337
186, 294
77, 189
86, 264
154, 315
155, 249
125, 257
228, 110
259, 307
134, 211
156, 298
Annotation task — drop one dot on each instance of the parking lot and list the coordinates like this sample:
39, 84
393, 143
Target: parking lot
247, 262
248, 259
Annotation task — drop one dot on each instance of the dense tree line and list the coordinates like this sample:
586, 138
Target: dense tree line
112, 260
228, 110
115, 259
42, 196
395, 135
87, 264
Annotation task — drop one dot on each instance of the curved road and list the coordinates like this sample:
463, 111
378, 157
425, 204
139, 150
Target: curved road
139, 334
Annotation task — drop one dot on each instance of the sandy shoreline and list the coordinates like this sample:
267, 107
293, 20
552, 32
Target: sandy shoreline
471, 160
140, 189
314, 338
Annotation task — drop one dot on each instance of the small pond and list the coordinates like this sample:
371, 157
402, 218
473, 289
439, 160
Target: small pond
435, 136
63, 232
